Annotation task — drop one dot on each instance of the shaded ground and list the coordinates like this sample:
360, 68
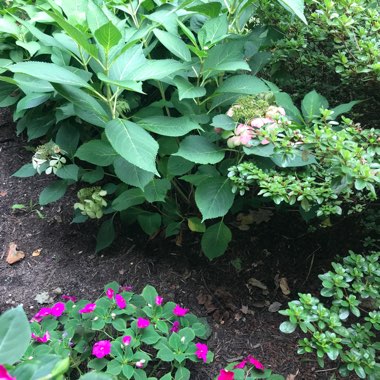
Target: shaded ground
238, 314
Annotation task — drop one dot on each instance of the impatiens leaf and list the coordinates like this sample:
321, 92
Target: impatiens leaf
14, 335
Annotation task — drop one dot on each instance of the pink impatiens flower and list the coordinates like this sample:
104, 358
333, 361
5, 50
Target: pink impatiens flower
180, 311
142, 323
140, 363
126, 340
43, 312
41, 339
241, 365
67, 297
255, 363
120, 301
159, 300
175, 327
110, 293
202, 351
89, 308
225, 375
101, 348
4, 375
58, 309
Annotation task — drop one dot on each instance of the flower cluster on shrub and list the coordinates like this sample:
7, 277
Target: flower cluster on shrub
346, 330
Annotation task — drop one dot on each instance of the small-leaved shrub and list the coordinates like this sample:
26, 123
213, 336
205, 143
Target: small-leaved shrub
346, 329
122, 334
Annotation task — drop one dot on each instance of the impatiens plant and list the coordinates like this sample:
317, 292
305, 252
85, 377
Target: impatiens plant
123, 94
347, 329
122, 335
248, 369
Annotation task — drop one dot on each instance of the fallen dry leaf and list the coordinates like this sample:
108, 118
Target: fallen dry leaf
274, 307
43, 298
258, 216
291, 376
3, 193
13, 256
37, 252
284, 286
256, 283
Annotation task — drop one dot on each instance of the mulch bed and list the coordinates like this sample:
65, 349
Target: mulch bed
236, 311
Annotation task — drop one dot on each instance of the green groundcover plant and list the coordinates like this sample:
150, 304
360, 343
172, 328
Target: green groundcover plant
347, 329
122, 335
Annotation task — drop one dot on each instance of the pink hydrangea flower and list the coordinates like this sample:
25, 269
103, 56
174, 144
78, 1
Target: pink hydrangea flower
67, 297
41, 339
58, 309
126, 340
265, 142
89, 308
273, 112
101, 348
233, 141
110, 293
4, 374
142, 323
140, 363
175, 327
42, 313
159, 300
202, 351
259, 122
242, 364
255, 363
120, 301
180, 311
226, 375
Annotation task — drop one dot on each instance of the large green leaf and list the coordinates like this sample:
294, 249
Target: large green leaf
311, 104
214, 197
168, 126
106, 235
157, 69
26, 170
150, 223
156, 190
243, 84
14, 335
96, 18
128, 198
108, 35
75, 10
32, 100
215, 240
53, 192
213, 30
284, 100
126, 84
343, 108
97, 152
50, 72
296, 7
133, 143
186, 90
199, 150
131, 174
86, 107
174, 44
225, 57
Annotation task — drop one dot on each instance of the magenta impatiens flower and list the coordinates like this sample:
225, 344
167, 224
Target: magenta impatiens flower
101, 348
42, 313
67, 297
180, 311
4, 374
140, 363
120, 301
142, 323
159, 300
41, 339
175, 327
110, 293
255, 363
225, 375
89, 308
242, 364
58, 309
202, 351
126, 340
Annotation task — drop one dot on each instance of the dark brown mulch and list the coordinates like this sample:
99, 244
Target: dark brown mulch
238, 314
